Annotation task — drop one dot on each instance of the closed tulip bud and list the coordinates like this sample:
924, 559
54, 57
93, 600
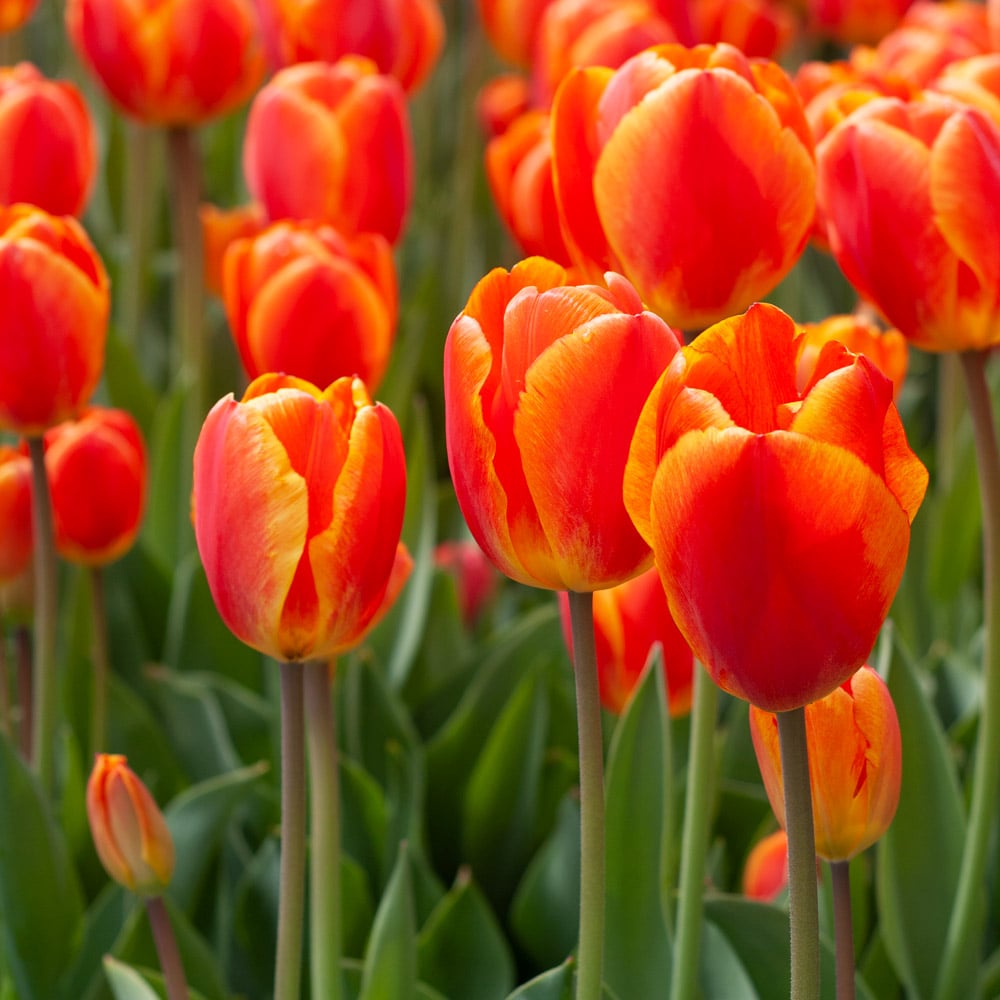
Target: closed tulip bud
129, 831
47, 127
169, 62
15, 13
304, 300
629, 620
298, 507
780, 517
16, 532
690, 171
346, 153
475, 577
53, 323
765, 874
855, 764
97, 475
543, 382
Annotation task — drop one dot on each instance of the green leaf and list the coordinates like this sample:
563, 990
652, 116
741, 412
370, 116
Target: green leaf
162, 525
462, 951
364, 818
390, 970
556, 984
920, 855
126, 983
638, 829
40, 900
255, 916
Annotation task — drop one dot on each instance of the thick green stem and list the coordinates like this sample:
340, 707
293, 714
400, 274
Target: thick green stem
803, 906
843, 928
590, 951
291, 893
44, 686
967, 910
99, 699
694, 838
166, 949
324, 870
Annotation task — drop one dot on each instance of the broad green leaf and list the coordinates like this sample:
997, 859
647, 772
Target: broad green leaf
40, 900
162, 526
556, 984
363, 819
638, 830
255, 916
353, 971
103, 923
462, 951
126, 385
357, 907
720, 971
126, 983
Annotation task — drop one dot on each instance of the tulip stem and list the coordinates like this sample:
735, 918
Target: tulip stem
291, 893
843, 928
803, 905
967, 909
324, 870
590, 950
43, 726
166, 949
99, 699
22, 644
694, 837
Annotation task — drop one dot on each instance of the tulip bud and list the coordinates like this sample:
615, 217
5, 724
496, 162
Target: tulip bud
765, 874
129, 831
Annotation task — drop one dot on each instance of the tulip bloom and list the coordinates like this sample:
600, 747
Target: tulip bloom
303, 300
129, 831
16, 532
221, 227
690, 171
169, 62
346, 153
855, 22
780, 518
53, 323
855, 764
512, 27
910, 195
14, 13
765, 874
628, 621
97, 475
298, 507
475, 578
46, 127
543, 382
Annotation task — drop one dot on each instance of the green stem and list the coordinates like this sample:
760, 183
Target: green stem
291, 893
44, 685
166, 949
324, 794
4, 684
986, 777
803, 906
25, 696
694, 837
99, 700
138, 217
590, 950
843, 928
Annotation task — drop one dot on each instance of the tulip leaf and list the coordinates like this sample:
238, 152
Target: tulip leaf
127, 387
128, 983
920, 855
638, 830
41, 906
162, 528
556, 984
461, 951
255, 916
363, 819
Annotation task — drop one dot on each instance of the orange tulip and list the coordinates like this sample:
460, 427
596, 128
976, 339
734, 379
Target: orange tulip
303, 300
910, 195
628, 621
690, 171
53, 322
780, 518
129, 831
543, 381
46, 127
16, 532
345, 147
169, 62
298, 506
15, 13
221, 227
403, 38
853, 22
758, 28
500, 101
765, 874
97, 474
512, 27
855, 764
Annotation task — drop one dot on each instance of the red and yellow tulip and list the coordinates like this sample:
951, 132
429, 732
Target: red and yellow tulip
16, 531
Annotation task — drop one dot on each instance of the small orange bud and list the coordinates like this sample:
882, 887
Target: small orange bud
765, 874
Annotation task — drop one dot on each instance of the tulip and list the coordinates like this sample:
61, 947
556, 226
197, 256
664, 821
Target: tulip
475, 578
853, 22
15, 13
500, 101
53, 323
97, 474
512, 27
169, 62
221, 227
47, 128
629, 620
346, 150
303, 300
690, 171
855, 764
403, 38
543, 382
758, 28
780, 518
765, 874
16, 533
298, 507
129, 831
909, 192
